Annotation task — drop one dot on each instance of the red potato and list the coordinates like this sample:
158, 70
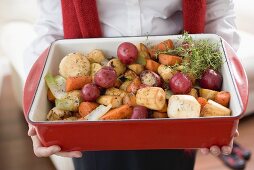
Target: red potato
90, 92
180, 84
106, 77
127, 53
211, 79
150, 78
139, 112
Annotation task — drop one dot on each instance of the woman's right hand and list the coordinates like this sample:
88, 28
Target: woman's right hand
41, 151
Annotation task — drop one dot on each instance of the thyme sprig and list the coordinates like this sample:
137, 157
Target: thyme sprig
198, 55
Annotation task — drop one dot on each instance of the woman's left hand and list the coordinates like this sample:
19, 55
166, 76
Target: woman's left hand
216, 151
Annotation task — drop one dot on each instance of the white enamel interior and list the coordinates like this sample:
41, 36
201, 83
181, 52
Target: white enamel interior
60, 48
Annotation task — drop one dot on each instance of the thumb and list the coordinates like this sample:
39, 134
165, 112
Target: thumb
31, 131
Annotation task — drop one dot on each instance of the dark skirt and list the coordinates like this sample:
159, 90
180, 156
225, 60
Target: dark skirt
136, 160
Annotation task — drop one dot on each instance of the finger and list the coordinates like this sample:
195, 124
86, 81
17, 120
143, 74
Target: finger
236, 133
40, 151
215, 150
73, 154
31, 130
204, 151
226, 150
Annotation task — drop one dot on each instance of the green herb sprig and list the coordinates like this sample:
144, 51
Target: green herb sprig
198, 55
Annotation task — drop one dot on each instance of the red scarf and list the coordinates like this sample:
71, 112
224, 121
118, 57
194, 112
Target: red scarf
81, 20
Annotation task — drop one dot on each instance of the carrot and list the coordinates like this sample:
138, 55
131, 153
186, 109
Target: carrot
159, 114
202, 101
51, 97
134, 86
87, 107
122, 112
169, 60
152, 65
222, 98
162, 46
76, 83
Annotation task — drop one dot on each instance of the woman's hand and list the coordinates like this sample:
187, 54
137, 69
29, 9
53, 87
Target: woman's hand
216, 151
41, 151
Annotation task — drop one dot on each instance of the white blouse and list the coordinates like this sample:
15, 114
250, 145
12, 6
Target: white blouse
133, 18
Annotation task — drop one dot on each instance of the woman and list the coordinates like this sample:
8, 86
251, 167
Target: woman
114, 18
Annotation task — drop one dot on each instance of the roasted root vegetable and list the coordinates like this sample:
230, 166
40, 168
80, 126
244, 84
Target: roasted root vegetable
70, 102
207, 93
124, 85
130, 99
214, 109
58, 114
117, 66
151, 97
150, 78
180, 84
223, 98
202, 101
165, 72
134, 86
97, 113
105, 77
127, 53
169, 60
211, 79
152, 65
96, 56
94, 68
122, 112
118, 83
183, 106
90, 92
130, 75
194, 93
87, 107
115, 92
74, 64
76, 83
115, 101
143, 50
162, 46
139, 112
137, 68
56, 85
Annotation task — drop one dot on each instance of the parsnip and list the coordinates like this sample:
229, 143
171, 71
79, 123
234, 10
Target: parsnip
183, 106
214, 109
115, 101
151, 97
207, 93
115, 92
